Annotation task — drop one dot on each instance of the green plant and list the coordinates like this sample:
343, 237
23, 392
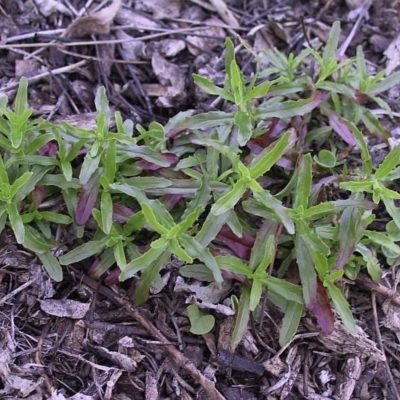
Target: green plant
238, 194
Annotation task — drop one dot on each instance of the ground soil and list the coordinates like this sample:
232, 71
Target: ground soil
96, 345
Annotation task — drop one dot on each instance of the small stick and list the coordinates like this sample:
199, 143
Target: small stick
181, 360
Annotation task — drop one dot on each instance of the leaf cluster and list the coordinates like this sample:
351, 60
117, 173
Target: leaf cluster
238, 195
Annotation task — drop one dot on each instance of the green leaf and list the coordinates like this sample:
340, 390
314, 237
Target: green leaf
245, 127
229, 200
365, 156
325, 158
341, 306
255, 294
357, 186
233, 264
268, 157
331, 47
383, 240
385, 84
147, 182
146, 259
392, 210
290, 323
200, 323
20, 110
189, 220
200, 199
119, 254
242, 318
36, 242
89, 166
197, 271
371, 262
268, 257
320, 210
51, 265
303, 189
148, 277
211, 227
290, 108
83, 251
152, 219
110, 163
208, 86
306, 269
265, 205
106, 209
262, 89
351, 229
389, 163
196, 250
177, 250
320, 263
20, 183
16, 222
237, 82
3, 172
313, 241
56, 218
287, 290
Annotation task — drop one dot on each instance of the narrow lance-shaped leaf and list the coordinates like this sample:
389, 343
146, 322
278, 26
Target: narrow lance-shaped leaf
237, 82
365, 156
3, 172
268, 158
229, 57
290, 108
20, 183
229, 200
119, 254
233, 264
350, 231
393, 211
106, 209
83, 252
242, 318
306, 270
311, 239
331, 47
111, 161
177, 250
290, 323
34, 241
89, 166
16, 222
146, 259
303, 189
88, 199
289, 291
389, 163
371, 262
341, 306
152, 219
385, 84
196, 250
208, 86
51, 265
245, 127
255, 294
148, 276
273, 204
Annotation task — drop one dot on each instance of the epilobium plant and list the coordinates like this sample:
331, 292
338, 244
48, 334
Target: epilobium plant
238, 195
